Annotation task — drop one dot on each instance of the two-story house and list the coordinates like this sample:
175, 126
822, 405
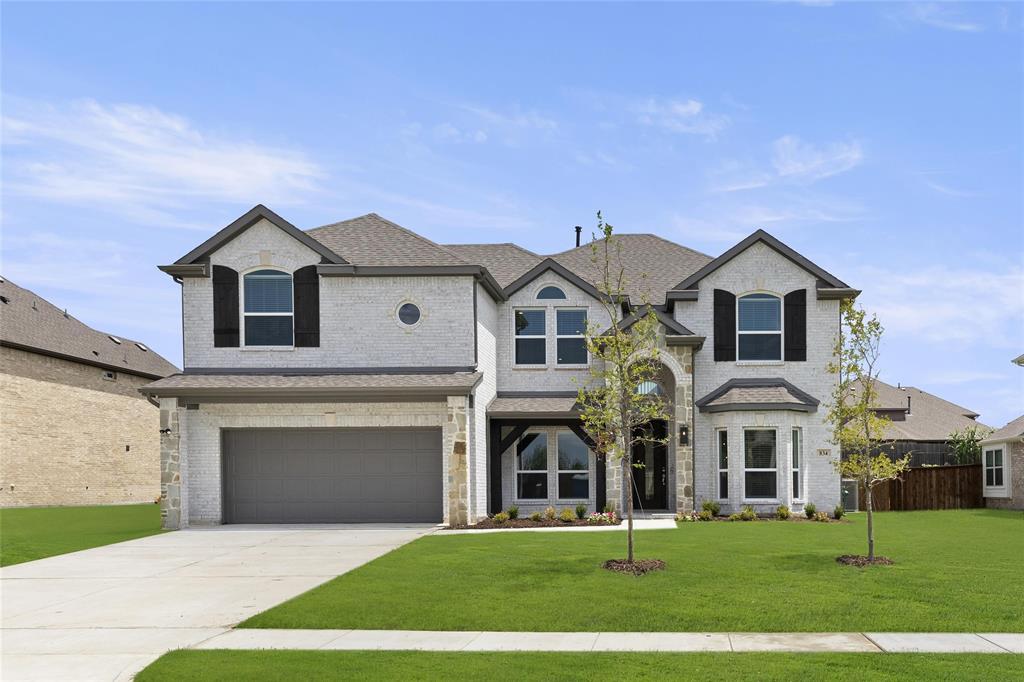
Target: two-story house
360, 372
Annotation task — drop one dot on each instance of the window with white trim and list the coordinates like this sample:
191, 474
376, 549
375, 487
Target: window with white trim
723, 463
268, 308
570, 330
532, 467
573, 467
995, 473
759, 327
530, 338
797, 445
760, 468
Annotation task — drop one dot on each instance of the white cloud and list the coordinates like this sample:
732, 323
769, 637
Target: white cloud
515, 119
448, 132
801, 161
949, 191
679, 116
142, 161
943, 16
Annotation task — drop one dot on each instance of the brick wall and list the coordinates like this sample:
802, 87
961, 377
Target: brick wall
64, 430
1015, 459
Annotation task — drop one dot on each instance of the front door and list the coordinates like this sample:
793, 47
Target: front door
650, 470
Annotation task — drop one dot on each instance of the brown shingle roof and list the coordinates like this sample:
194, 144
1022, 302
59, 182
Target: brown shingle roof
1014, 429
376, 241
531, 405
239, 384
29, 321
930, 417
757, 393
505, 262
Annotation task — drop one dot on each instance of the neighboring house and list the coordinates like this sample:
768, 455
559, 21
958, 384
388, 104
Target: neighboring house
1002, 460
920, 424
74, 429
361, 372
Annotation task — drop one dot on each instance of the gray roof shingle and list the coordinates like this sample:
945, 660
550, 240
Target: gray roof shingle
1014, 429
505, 262
198, 384
531, 405
375, 241
29, 321
930, 417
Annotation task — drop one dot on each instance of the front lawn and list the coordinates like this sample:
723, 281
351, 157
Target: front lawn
955, 571
32, 533
413, 665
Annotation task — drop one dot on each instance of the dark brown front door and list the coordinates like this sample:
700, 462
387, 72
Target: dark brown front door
650, 478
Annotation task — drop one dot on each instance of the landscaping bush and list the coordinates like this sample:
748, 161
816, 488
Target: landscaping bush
567, 516
536, 517
581, 511
686, 517
705, 515
501, 517
513, 512
809, 510
821, 517
711, 506
601, 519
838, 512
735, 517
550, 514
782, 512
748, 514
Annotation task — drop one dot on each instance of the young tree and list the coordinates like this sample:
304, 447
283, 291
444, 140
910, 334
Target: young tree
613, 410
966, 444
857, 428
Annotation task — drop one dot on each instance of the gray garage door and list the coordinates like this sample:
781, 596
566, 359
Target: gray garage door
332, 475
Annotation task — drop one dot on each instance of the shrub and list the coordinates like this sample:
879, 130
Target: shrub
567, 516
609, 508
782, 512
748, 514
686, 516
601, 519
550, 514
838, 512
821, 517
501, 517
535, 517
581, 511
705, 515
809, 510
711, 506
735, 517
513, 512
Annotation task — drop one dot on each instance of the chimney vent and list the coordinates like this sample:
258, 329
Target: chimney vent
578, 231
908, 404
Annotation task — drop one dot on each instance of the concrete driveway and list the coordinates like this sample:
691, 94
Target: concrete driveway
105, 613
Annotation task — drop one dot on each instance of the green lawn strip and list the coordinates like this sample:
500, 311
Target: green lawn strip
951, 573
421, 665
33, 533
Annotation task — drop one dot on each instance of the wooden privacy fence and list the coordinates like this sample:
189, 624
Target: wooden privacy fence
945, 487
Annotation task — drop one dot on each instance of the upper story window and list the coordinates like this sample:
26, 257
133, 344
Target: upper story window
649, 388
268, 308
571, 327
531, 339
759, 327
550, 292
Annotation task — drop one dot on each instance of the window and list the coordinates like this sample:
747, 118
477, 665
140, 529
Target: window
408, 314
532, 467
268, 308
723, 464
573, 467
797, 454
994, 473
530, 338
649, 388
571, 325
550, 293
759, 327
759, 463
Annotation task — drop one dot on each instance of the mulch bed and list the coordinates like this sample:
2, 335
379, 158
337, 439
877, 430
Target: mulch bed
861, 561
527, 523
635, 567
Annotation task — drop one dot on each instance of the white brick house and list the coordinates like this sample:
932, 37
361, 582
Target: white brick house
360, 372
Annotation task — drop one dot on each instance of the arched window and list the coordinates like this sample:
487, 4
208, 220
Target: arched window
268, 308
650, 388
550, 292
759, 327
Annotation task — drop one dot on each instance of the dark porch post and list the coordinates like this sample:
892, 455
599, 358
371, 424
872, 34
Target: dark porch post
494, 490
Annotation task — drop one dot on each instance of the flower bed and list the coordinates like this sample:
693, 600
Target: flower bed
501, 520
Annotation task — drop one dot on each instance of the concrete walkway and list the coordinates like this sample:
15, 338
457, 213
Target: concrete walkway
801, 642
107, 612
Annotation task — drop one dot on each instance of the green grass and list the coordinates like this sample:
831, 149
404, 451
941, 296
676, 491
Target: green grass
955, 571
409, 665
36, 532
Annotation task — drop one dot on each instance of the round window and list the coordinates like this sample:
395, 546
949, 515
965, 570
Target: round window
409, 314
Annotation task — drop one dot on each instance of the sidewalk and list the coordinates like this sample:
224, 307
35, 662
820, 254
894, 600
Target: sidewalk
801, 642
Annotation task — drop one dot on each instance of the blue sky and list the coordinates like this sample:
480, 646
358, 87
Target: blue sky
884, 141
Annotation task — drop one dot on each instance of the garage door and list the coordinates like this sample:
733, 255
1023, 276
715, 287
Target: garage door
332, 475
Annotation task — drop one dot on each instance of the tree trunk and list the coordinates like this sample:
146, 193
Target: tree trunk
628, 476
871, 525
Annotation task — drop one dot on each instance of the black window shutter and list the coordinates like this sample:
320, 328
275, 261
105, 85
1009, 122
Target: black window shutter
796, 325
725, 326
306, 288
225, 307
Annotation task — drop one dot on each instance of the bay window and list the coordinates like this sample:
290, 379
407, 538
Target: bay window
760, 465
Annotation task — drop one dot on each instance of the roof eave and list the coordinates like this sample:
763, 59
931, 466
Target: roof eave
697, 342
83, 361
747, 407
185, 270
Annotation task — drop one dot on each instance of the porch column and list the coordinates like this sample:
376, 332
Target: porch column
457, 508
170, 465
684, 417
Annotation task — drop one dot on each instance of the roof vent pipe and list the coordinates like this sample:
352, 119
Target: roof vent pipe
908, 404
578, 231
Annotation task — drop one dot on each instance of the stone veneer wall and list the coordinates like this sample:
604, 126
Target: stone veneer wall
70, 437
1016, 471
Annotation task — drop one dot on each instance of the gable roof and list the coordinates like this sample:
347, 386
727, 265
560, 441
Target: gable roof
672, 326
761, 236
1014, 429
251, 217
30, 322
930, 417
757, 394
371, 240
505, 262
